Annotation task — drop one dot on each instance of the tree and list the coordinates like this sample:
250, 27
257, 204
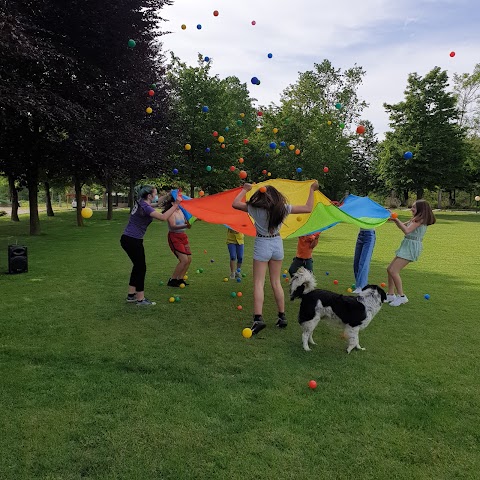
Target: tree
426, 124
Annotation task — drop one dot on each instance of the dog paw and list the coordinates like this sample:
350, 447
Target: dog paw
307, 348
358, 347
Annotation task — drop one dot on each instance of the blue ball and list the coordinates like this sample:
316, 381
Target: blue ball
269, 55
273, 145
426, 296
255, 81
299, 170
283, 144
284, 275
407, 155
205, 109
206, 59
327, 273
207, 150
239, 280
227, 129
267, 154
212, 260
175, 171
199, 27
239, 270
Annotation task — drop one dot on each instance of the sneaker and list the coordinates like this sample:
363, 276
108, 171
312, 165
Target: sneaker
145, 303
257, 326
132, 299
399, 301
390, 298
357, 290
173, 282
232, 276
281, 322
238, 275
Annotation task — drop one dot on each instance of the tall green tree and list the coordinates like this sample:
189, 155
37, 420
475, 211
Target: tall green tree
426, 124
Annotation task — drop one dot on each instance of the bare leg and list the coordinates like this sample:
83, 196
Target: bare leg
393, 271
275, 270
259, 271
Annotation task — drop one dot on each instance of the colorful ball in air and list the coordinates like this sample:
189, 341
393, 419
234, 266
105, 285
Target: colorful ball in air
87, 212
188, 147
360, 129
221, 139
338, 105
269, 55
247, 332
245, 141
215, 134
222, 145
215, 13
242, 115
325, 169
329, 122
259, 114
452, 54
171, 299
426, 296
394, 215
149, 110
342, 125
175, 171
299, 170
283, 144
183, 27
291, 147
243, 174
201, 193
312, 384
132, 43
273, 145
208, 168
232, 168
263, 189
407, 155
241, 160
205, 109
227, 129
335, 282
239, 123
264, 172
199, 27
297, 151
254, 22
255, 81
207, 150
151, 93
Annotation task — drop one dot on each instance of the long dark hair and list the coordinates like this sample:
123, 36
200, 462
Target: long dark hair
274, 203
167, 203
424, 213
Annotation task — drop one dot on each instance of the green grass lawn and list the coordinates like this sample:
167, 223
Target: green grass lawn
92, 387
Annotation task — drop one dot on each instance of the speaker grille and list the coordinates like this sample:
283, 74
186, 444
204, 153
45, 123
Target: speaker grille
17, 259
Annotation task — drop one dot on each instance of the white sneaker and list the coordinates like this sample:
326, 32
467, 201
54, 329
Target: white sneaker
399, 301
357, 290
232, 276
390, 298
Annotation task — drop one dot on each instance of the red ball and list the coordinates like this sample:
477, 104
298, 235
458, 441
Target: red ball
239, 307
254, 22
264, 172
312, 384
151, 93
243, 174
245, 141
215, 134
232, 168
259, 114
452, 54
335, 282
360, 129
215, 13
325, 169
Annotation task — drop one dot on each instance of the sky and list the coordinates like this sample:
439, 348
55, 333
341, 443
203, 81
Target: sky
388, 38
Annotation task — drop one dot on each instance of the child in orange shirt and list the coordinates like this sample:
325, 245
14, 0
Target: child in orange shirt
305, 247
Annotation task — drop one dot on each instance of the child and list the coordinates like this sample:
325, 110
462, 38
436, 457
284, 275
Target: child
178, 242
303, 258
141, 216
235, 241
409, 250
269, 209
363, 255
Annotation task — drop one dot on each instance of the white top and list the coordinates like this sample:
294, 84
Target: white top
260, 215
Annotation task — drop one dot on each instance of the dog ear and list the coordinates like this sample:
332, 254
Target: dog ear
298, 292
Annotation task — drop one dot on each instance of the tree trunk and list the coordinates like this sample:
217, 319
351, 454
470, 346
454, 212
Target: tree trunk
131, 193
78, 197
32, 185
419, 193
439, 199
108, 187
404, 201
48, 200
13, 198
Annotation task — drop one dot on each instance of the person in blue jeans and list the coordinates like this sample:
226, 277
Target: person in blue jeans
363, 256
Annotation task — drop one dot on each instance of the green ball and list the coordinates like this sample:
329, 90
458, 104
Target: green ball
131, 43
244, 275
160, 283
233, 294
338, 106
200, 270
353, 286
239, 123
208, 168
177, 298
342, 125
277, 151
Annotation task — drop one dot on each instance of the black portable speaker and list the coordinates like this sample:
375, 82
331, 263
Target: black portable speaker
17, 259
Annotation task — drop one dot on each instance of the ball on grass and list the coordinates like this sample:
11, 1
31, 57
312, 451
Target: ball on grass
247, 332
312, 384
426, 296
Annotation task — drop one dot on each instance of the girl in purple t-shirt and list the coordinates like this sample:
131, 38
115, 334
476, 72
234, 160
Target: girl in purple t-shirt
141, 217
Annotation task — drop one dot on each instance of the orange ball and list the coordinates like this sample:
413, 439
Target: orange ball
335, 282
383, 284
239, 307
263, 189
239, 294
264, 172
360, 129
394, 215
297, 151
232, 168
201, 193
241, 160
242, 174
223, 145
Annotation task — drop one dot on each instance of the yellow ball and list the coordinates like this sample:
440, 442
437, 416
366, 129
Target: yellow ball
149, 110
185, 277
291, 147
285, 271
171, 299
182, 285
275, 130
349, 290
221, 139
87, 212
258, 129
188, 146
225, 279
299, 219
269, 174
184, 27
247, 332
242, 115
329, 122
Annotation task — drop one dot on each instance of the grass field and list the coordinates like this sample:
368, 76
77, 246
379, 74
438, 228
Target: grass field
94, 388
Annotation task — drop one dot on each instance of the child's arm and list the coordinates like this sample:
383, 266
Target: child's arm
168, 214
237, 202
307, 208
413, 225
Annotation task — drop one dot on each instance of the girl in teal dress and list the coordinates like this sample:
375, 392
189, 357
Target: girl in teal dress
409, 250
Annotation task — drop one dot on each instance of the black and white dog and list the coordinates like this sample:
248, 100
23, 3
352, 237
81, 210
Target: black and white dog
354, 312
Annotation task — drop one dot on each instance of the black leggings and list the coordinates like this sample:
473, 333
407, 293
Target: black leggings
136, 252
